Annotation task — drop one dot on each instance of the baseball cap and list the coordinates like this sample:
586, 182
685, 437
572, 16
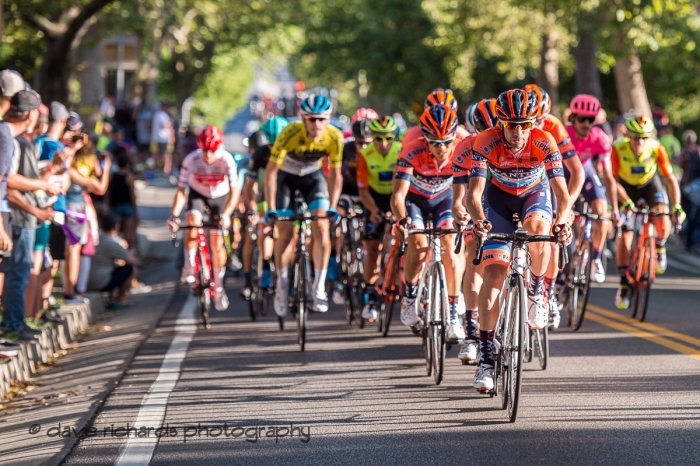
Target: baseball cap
74, 122
57, 111
10, 83
25, 101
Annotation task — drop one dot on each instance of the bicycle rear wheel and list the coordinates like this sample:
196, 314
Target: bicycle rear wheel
202, 291
390, 295
643, 286
253, 302
578, 301
437, 322
426, 342
515, 343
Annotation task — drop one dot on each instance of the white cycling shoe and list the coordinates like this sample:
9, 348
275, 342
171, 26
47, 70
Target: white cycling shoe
321, 300
598, 273
538, 314
409, 313
468, 351
220, 299
187, 274
281, 301
369, 312
554, 314
484, 378
338, 296
455, 332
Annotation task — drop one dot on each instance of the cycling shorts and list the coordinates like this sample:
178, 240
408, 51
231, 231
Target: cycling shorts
212, 208
499, 207
376, 232
652, 192
313, 187
440, 207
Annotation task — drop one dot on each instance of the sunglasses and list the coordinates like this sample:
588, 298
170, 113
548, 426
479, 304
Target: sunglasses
383, 138
512, 125
637, 137
583, 119
440, 142
315, 119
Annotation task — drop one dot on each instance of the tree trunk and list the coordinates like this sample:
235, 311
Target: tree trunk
52, 79
548, 74
629, 81
587, 77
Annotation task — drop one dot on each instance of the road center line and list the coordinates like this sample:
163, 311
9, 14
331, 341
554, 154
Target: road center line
139, 451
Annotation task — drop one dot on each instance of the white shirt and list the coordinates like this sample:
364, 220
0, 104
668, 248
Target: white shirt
160, 130
210, 180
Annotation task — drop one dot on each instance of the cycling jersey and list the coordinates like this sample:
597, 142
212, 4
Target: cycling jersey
256, 170
349, 168
210, 180
417, 165
596, 143
298, 155
516, 174
555, 127
243, 166
462, 163
637, 171
415, 132
376, 171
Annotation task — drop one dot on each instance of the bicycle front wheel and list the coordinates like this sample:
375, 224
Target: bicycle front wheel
515, 343
643, 285
581, 284
541, 346
437, 322
300, 275
390, 295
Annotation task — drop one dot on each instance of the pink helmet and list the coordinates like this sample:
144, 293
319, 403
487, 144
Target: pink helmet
364, 113
585, 105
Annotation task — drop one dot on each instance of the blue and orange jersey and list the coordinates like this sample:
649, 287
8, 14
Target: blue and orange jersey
555, 127
462, 161
516, 174
417, 165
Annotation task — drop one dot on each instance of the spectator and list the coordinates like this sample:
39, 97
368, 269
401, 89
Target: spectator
669, 141
122, 199
105, 138
42, 124
619, 129
124, 118
108, 276
144, 116
689, 163
162, 135
10, 84
107, 107
118, 140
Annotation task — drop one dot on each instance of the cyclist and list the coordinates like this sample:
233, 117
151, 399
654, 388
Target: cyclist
210, 173
573, 171
516, 155
422, 187
469, 118
375, 172
364, 114
296, 163
484, 117
255, 204
443, 97
635, 162
591, 141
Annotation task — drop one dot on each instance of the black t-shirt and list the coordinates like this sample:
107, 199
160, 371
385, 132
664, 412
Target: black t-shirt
349, 169
258, 162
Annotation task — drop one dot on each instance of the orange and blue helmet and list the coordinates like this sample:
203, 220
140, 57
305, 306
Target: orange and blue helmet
485, 115
545, 103
438, 122
441, 97
517, 105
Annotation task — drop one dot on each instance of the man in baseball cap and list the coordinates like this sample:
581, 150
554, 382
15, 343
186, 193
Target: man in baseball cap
10, 84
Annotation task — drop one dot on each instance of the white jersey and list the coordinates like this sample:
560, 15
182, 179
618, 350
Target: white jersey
210, 180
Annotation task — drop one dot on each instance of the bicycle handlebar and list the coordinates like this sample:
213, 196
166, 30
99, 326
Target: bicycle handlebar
427, 231
563, 252
208, 226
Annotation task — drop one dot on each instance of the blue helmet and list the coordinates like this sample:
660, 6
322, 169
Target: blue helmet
469, 120
273, 127
315, 105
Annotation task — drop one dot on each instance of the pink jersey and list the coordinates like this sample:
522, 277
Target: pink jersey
596, 143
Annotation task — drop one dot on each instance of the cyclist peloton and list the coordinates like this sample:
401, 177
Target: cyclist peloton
591, 141
483, 118
254, 198
635, 160
376, 165
516, 155
423, 186
210, 174
296, 163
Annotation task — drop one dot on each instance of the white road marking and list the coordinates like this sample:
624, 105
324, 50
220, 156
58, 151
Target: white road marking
139, 451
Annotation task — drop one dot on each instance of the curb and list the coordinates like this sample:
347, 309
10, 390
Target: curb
75, 320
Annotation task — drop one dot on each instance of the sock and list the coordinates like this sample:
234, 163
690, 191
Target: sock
660, 243
410, 290
266, 265
535, 287
597, 254
486, 347
320, 278
189, 256
549, 286
372, 292
453, 301
219, 278
283, 278
622, 272
248, 279
472, 319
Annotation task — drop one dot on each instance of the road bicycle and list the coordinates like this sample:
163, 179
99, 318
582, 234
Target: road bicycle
203, 287
510, 341
300, 279
352, 265
641, 272
260, 297
573, 294
389, 284
432, 301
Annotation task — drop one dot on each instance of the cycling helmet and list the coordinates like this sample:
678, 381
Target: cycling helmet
642, 126
315, 106
485, 115
441, 97
210, 139
545, 103
585, 105
360, 130
383, 125
517, 105
273, 127
364, 114
469, 118
438, 122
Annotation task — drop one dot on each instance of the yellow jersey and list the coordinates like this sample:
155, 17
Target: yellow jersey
298, 155
637, 171
376, 171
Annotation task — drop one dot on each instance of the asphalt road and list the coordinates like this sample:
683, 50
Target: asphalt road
614, 393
